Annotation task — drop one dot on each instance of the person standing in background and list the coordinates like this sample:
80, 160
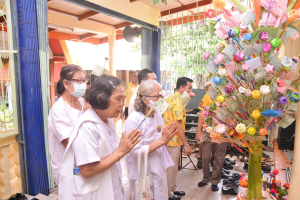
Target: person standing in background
176, 113
130, 89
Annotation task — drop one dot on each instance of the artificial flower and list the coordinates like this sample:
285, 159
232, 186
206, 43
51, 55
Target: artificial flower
205, 113
283, 100
192, 94
269, 68
248, 93
219, 5
276, 42
224, 104
216, 80
287, 185
162, 94
220, 99
218, 104
209, 129
263, 36
231, 33
240, 128
241, 89
280, 83
245, 67
280, 111
293, 15
232, 132
294, 97
285, 61
275, 171
279, 89
296, 59
256, 94
266, 47
206, 108
273, 191
264, 90
204, 126
107, 58
240, 56
251, 131
212, 106
213, 135
240, 136
256, 114
247, 36
221, 128
270, 113
272, 174
264, 179
229, 89
219, 58
205, 56
222, 71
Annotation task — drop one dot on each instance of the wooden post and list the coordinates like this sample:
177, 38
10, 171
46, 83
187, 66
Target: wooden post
111, 42
52, 89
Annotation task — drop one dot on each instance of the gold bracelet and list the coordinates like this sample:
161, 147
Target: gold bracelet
117, 155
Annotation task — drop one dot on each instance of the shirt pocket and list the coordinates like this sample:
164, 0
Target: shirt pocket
83, 186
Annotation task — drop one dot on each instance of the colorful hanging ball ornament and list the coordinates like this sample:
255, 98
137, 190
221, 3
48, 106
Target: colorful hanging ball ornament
240, 56
231, 33
205, 56
237, 31
293, 15
256, 94
220, 99
263, 36
266, 47
247, 37
276, 42
209, 13
219, 5
263, 131
229, 89
212, 106
283, 100
216, 80
235, 58
251, 131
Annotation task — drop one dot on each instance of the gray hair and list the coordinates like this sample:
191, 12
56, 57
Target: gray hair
145, 89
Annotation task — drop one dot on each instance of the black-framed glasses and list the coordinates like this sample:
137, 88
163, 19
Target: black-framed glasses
80, 80
157, 97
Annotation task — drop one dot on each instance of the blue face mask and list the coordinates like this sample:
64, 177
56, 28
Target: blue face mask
79, 89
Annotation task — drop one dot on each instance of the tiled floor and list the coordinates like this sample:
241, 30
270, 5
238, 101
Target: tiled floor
187, 180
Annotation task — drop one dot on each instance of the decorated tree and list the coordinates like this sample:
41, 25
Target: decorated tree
253, 88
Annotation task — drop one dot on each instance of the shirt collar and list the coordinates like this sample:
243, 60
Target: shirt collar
177, 94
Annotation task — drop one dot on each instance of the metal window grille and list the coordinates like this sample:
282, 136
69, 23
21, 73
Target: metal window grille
185, 37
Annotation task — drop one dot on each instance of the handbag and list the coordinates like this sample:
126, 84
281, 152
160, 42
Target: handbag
144, 184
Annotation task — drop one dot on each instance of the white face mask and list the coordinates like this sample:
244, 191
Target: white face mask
79, 89
151, 104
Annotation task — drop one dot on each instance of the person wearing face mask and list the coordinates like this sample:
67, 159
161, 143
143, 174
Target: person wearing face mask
154, 137
65, 112
176, 113
90, 168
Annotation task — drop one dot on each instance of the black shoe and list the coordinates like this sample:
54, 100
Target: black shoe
212, 162
236, 176
201, 184
266, 168
245, 166
231, 182
214, 188
199, 165
20, 196
225, 166
231, 190
175, 197
227, 162
179, 193
231, 162
224, 175
226, 171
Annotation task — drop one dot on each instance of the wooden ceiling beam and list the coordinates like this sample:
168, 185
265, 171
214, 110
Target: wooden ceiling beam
63, 36
87, 15
120, 32
133, 1
87, 35
51, 29
122, 25
183, 20
185, 7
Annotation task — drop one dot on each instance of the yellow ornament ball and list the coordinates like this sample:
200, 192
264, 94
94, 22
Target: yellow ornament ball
251, 131
220, 99
256, 114
256, 94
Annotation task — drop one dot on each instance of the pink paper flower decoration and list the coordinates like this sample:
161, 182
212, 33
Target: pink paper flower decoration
107, 58
280, 89
245, 67
218, 104
281, 83
192, 94
221, 128
162, 94
224, 104
219, 58
269, 68
205, 56
205, 113
296, 58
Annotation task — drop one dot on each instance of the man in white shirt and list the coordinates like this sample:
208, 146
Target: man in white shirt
145, 74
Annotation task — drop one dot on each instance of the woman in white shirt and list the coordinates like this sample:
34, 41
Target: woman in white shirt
154, 136
65, 112
95, 173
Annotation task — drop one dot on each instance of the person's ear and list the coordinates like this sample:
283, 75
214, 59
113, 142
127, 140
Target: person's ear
66, 84
145, 100
98, 98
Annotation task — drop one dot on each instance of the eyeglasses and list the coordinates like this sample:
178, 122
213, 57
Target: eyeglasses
157, 97
80, 80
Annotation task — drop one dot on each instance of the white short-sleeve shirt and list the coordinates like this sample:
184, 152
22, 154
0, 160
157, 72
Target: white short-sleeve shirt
61, 122
131, 103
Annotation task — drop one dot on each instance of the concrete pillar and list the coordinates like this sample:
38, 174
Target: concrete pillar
111, 42
52, 89
146, 48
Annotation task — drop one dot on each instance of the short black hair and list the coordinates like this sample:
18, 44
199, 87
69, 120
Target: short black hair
182, 81
143, 75
103, 85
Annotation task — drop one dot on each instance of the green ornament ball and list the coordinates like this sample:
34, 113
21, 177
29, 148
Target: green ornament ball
237, 31
276, 42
